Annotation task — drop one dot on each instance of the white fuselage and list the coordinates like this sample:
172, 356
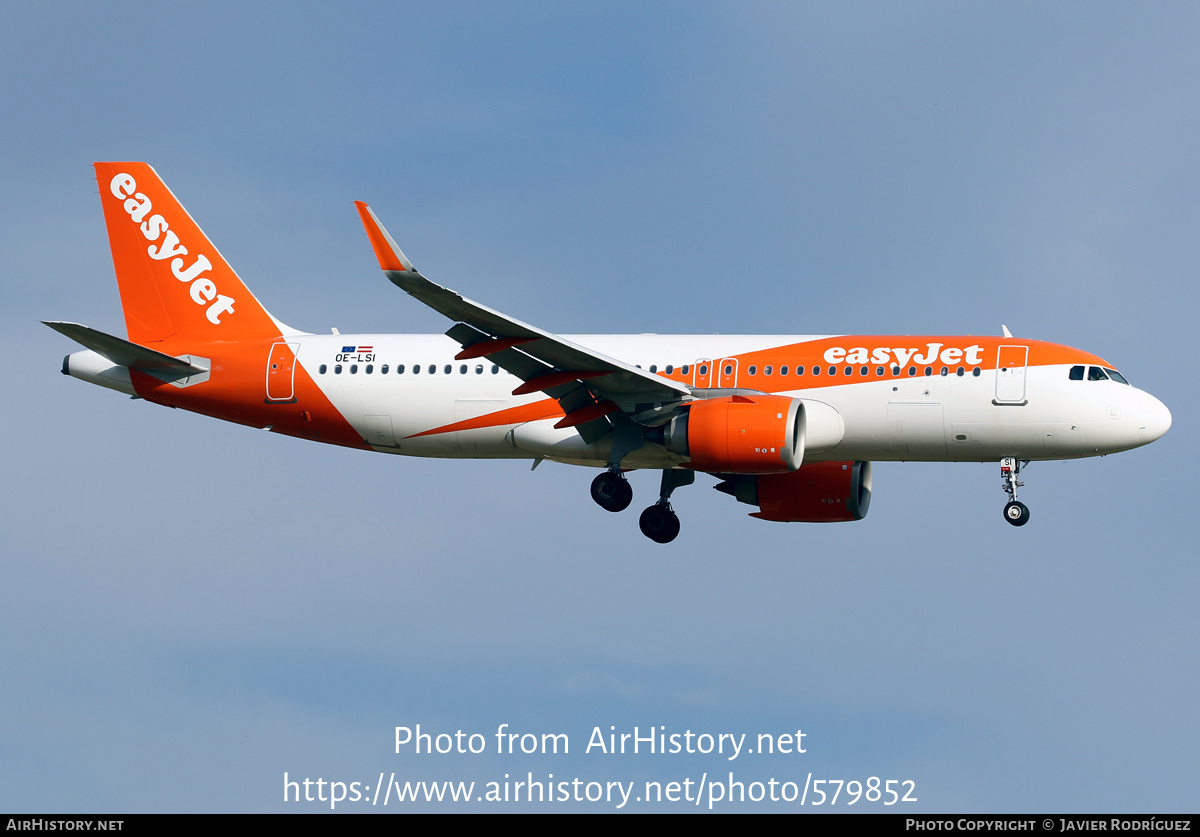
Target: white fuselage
935, 417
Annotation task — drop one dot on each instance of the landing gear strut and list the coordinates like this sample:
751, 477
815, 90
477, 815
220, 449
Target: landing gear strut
612, 492
1010, 469
659, 522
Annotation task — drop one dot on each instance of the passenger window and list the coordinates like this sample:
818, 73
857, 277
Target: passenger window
653, 367
878, 371
383, 369
895, 370
864, 371
337, 370
912, 370
833, 370
432, 368
753, 370
479, 369
399, 368
766, 370
354, 369
462, 370
849, 370
670, 368
684, 369
945, 371
799, 370
783, 370
448, 369
816, 370
703, 370
370, 368
975, 371
728, 369
1076, 373
960, 372
323, 368
1095, 373
495, 369
416, 368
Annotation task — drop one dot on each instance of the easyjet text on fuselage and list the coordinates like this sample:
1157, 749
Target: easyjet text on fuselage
971, 355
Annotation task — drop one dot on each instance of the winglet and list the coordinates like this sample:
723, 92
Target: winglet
1007, 333
389, 255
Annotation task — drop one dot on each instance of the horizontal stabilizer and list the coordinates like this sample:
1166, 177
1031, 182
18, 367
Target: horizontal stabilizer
122, 352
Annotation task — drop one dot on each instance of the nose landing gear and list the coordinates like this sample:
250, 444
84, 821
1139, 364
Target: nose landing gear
1010, 469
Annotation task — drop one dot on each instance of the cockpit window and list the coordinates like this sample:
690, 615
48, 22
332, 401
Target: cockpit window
1095, 373
1117, 376
1076, 373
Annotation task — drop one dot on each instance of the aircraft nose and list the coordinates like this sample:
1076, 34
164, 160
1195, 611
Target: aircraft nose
1156, 420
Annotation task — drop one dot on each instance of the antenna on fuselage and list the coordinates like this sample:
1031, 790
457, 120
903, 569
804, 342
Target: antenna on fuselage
1007, 333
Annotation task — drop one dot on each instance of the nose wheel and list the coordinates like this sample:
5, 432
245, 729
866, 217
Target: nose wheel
612, 492
1015, 512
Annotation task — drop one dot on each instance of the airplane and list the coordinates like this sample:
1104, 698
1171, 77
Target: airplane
788, 424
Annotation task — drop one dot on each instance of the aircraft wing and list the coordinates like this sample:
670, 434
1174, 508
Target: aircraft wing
589, 386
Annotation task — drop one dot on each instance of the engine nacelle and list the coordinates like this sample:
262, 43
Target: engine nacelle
760, 434
819, 492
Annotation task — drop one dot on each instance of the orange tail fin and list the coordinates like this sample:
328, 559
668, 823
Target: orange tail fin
173, 282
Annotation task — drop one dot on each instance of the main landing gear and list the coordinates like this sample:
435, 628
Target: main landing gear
1010, 469
659, 523
612, 492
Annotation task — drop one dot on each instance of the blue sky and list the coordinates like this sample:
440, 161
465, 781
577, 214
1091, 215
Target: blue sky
189, 609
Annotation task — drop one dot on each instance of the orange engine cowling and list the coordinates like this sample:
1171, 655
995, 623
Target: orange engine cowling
759, 434
820, 492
